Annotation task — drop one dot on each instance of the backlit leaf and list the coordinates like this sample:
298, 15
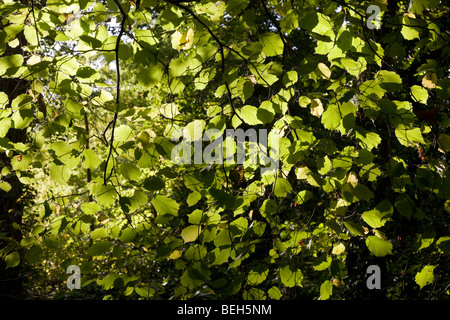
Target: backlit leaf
425, 276
164, 205
12, 260
290, 276
326, 289
378, 247
272, 43
409, 137
420, 94
91, 159
282, 187
99, 248
190, 233
10, 64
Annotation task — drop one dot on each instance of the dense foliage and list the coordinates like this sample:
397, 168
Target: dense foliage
95, 96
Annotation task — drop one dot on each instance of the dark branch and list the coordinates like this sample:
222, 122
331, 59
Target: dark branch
113, 124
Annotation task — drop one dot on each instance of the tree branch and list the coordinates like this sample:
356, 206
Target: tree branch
113, 123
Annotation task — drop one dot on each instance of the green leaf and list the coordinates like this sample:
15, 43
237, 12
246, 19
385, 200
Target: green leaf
123, 133
30, 34
282, 187
425, 276
12, 260
353, 67
151, 75
219, 256
257, 274
67, 64
304, 101
443, 243
290, 78
166, 249
5, 186
224, 199
249, 115
275, 293
60, 174
99, 248
323, 165
90, 159
409, 137
102, 98
194, 276
238, 227
254, 294
90, 207
368, 140
108, 281
10, 64
379, 216
223, 238
378, 247
127, 235
316, 22
98, 233
165, 206
331, 118
3, 100
87, 74
193, 198
326, 289
290, 276
303, 196
90, 41
137, 201
389, 80
130, 171
145, 292
266, 112
418, 6
356, 193
34, 254
272, 44
190, 233
153, 183
324, 70
197, 217
420, 94
409, 31
322, 263
74, 109
425, 240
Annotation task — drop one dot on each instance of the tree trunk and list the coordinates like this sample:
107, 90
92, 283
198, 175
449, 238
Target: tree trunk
11, 202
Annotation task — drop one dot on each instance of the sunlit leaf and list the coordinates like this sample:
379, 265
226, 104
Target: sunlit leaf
290, 276
272, 43
190, 233
378, 247
326, 289
164, 205
425, 276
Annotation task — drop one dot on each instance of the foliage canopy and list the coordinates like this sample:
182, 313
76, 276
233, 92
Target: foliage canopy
363, 127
